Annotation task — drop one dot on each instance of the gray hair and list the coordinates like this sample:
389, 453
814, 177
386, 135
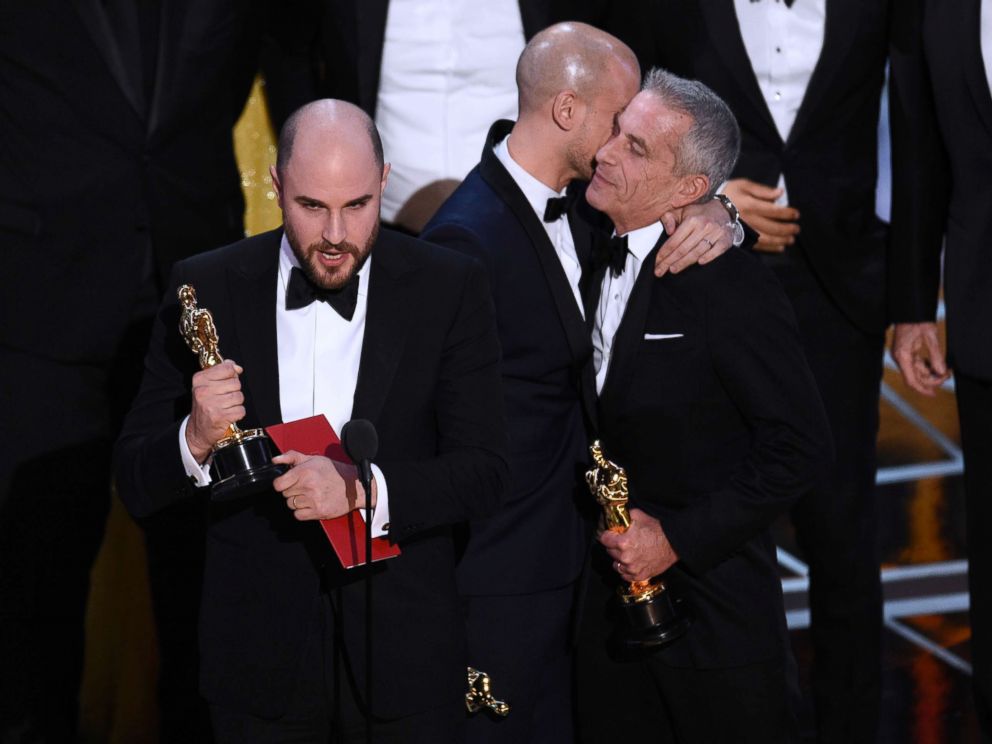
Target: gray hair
713, 142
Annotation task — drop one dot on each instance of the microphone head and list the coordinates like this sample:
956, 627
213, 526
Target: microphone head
360, 440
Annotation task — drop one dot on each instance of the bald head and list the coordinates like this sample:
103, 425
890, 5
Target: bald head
337, 122
569, 56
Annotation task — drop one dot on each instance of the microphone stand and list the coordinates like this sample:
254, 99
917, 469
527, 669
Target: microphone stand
361, 444
365, 476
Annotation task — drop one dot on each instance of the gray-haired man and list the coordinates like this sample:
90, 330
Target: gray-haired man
706, 399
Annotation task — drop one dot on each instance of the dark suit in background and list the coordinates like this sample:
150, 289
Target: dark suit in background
518, 572
939, 86
720, 431
835, 278
116, 159
428, 380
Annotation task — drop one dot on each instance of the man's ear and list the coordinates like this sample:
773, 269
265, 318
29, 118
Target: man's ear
276, 184
691, 190
385, 178
566, 110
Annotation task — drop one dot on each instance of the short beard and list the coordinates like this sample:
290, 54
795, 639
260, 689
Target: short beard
579, 161
319, 276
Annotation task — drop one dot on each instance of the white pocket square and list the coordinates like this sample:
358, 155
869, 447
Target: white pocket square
661, 336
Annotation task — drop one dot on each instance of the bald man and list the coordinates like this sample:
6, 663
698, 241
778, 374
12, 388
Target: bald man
519, 572
329, 315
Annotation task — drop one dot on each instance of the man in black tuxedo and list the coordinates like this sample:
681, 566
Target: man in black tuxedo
941, 77
804, 79
518, 575
117, 160
705, 398
282, 626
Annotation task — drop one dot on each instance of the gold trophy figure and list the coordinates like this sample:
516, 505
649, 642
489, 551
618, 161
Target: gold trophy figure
241, 460
480, 695
653, 617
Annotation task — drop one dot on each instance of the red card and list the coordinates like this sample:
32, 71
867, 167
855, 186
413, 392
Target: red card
314, 436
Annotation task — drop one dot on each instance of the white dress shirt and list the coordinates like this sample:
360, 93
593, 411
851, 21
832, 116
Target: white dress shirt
559, 231
784, 45
448, 71
319, 353
614, 295
986, 32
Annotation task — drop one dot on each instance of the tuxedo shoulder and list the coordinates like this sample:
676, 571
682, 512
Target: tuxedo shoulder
401, 251
246, 252
736, 267
738, 280
474, 206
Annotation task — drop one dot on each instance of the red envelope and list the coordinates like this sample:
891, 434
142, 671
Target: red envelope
314, 436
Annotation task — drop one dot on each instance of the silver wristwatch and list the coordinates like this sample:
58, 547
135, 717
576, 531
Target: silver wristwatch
735, 217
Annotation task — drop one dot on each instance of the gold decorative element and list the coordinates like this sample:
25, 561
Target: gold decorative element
608, 484
255, 149
196, 325
480, 695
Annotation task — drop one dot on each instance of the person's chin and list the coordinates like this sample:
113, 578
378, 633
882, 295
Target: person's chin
595, 196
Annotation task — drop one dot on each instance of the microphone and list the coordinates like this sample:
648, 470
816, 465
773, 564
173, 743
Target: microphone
361, 442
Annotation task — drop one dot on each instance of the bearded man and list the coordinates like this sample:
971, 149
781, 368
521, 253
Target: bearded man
329, 315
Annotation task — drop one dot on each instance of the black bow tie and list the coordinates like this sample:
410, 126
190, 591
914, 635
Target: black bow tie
300, 292
612, 253
559, 205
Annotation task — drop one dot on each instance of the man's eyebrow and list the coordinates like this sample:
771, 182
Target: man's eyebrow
309, 201
638, 141
363, 199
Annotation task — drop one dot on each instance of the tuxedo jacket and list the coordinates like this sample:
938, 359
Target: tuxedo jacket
830, 156
99, 169
720, 428
428, 380
352, 34
537, 540
939, 86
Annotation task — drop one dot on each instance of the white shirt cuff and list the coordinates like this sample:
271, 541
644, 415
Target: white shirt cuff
199, 473
380, 512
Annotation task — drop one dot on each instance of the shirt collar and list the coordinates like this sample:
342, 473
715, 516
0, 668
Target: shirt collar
536, 193
642, 241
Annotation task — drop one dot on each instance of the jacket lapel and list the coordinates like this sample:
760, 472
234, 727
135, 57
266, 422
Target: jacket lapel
493, 173
630, 332
842, 16
253, 295
371, 16
974, 64
172, 30
95, 20
536, 15
721, 20
387, 319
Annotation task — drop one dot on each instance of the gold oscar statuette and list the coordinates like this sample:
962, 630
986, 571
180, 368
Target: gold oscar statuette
241, 460
653, 617
480, 695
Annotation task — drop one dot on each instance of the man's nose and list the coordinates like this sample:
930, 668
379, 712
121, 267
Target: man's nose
334, 231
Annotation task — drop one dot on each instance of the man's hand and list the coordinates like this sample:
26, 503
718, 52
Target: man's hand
705, 233
319, 488
776, 225
642, 551
916, 349
217, 403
